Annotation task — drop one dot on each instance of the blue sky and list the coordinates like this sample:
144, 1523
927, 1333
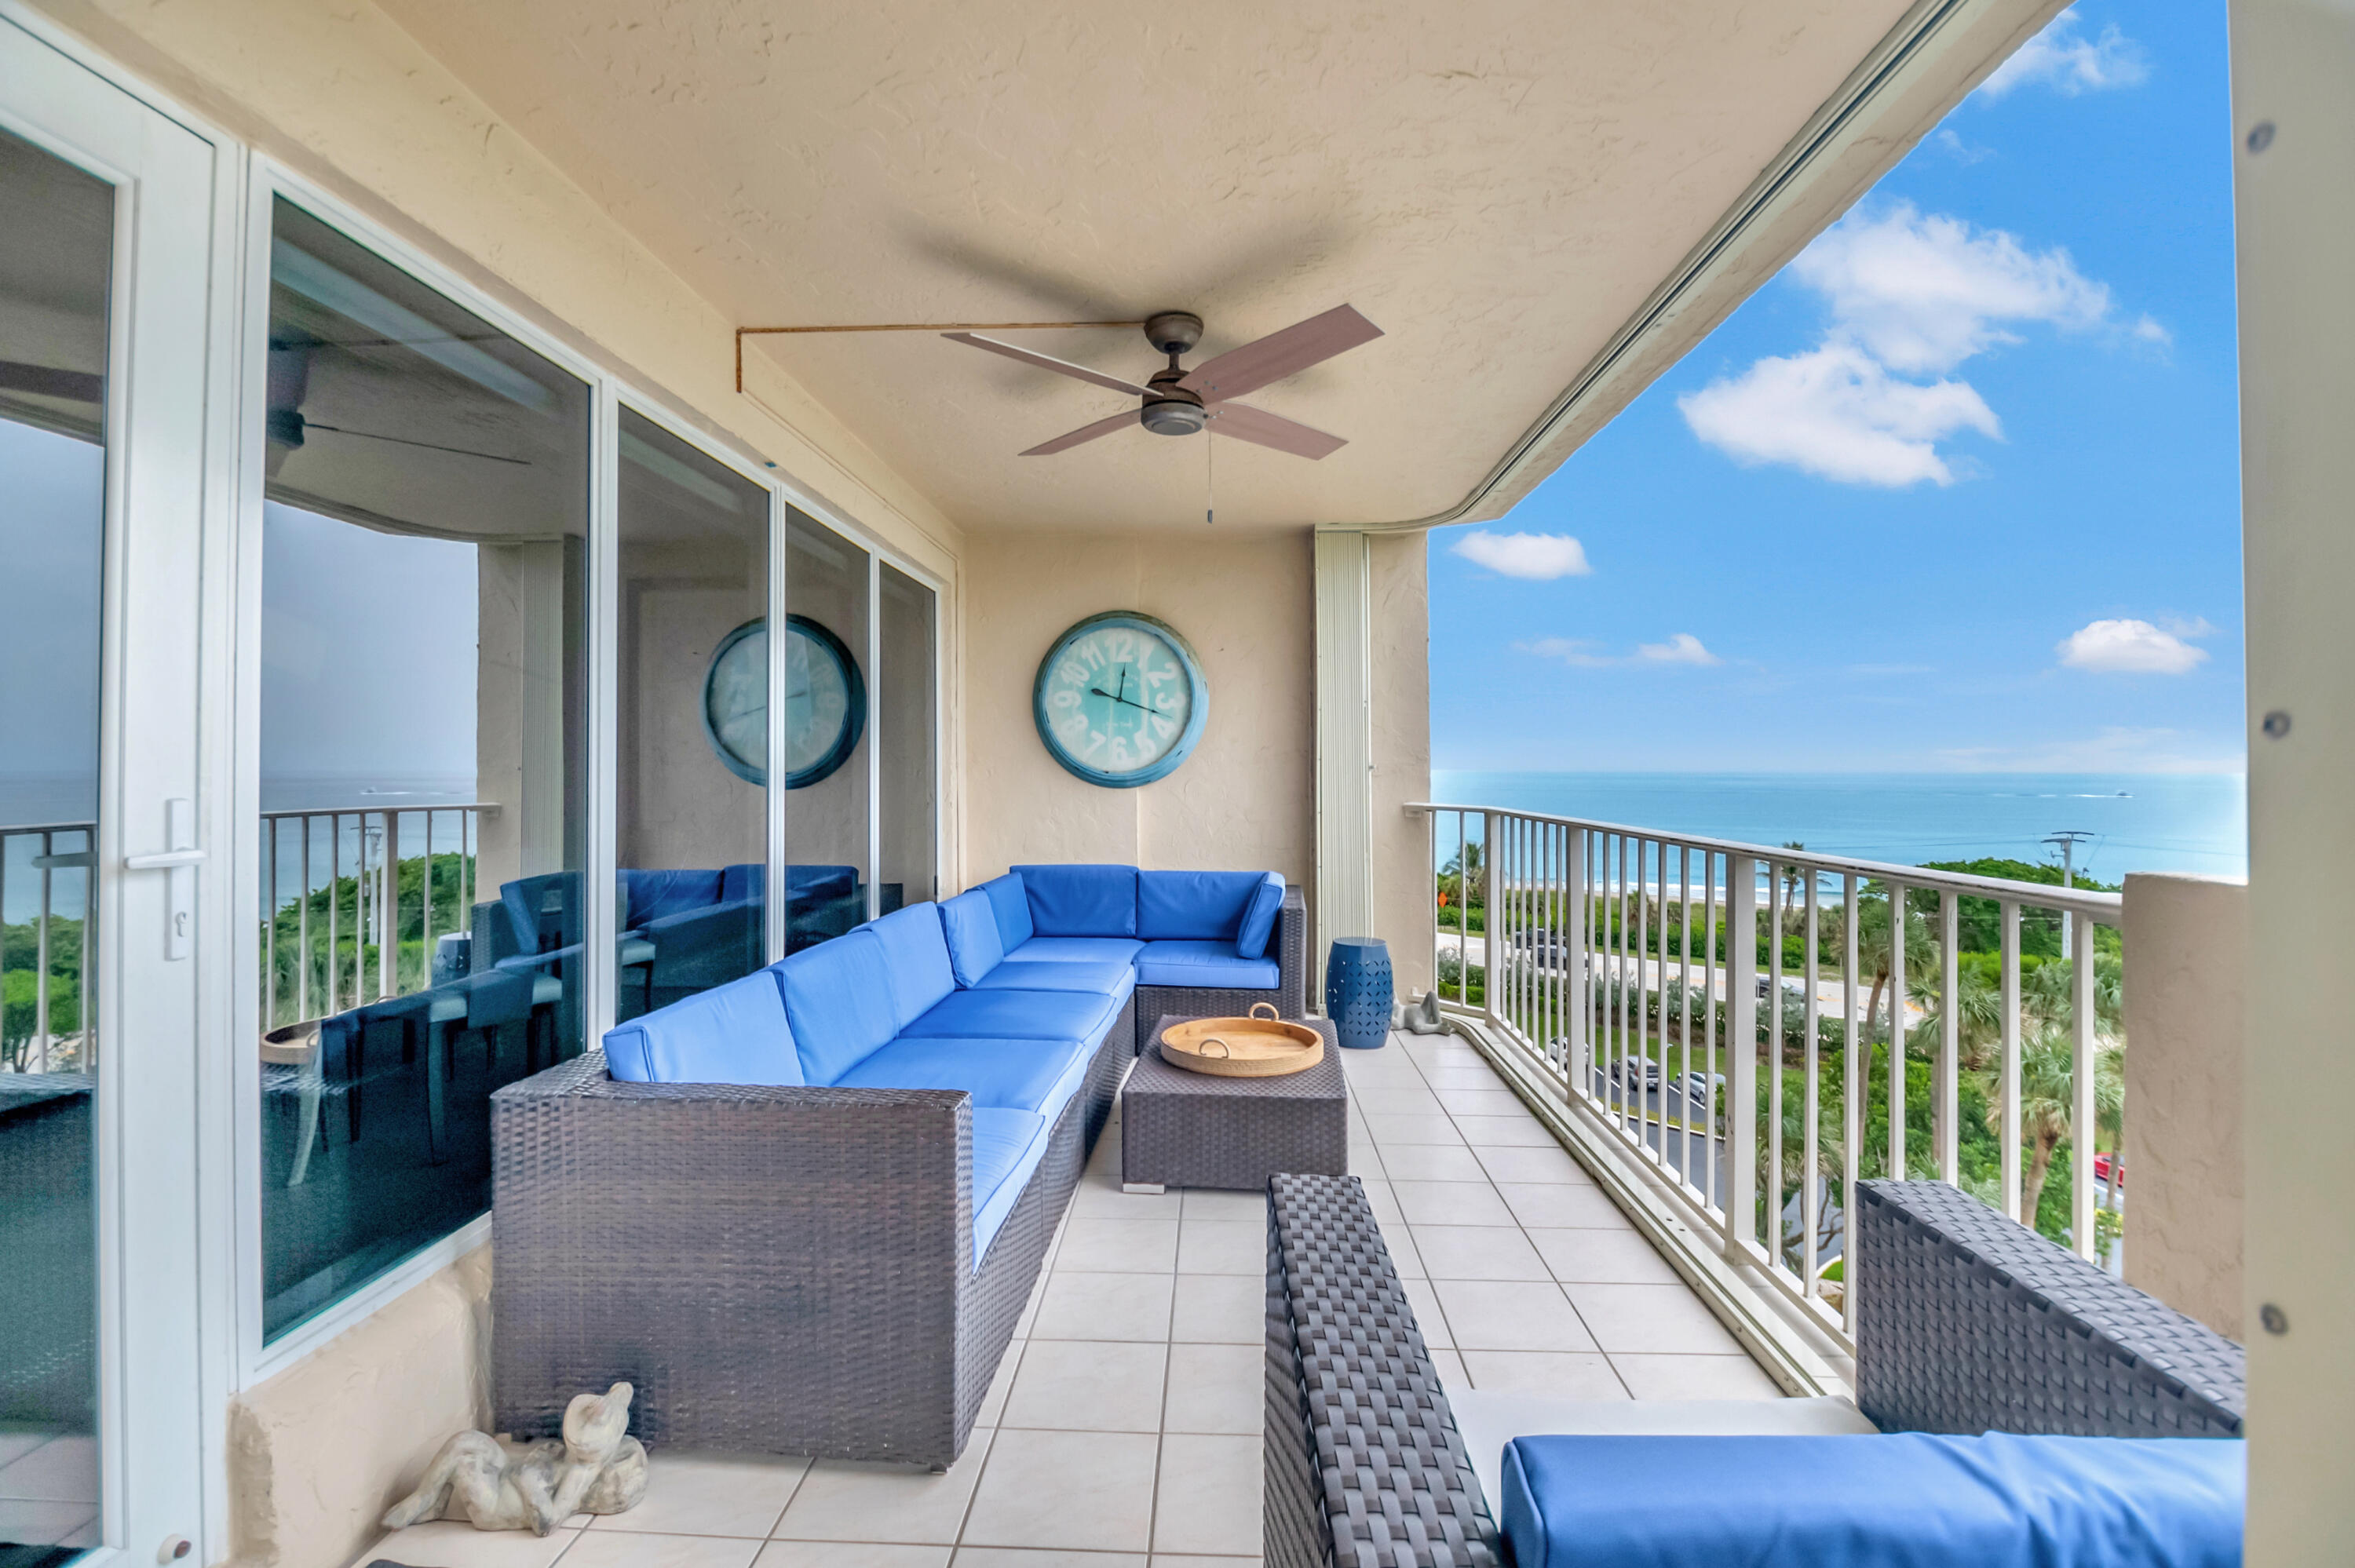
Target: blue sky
1959, 490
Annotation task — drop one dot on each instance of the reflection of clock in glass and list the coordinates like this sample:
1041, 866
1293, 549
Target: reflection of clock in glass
826, 702
1120, 700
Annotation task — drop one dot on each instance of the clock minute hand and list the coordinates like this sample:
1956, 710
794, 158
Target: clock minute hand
1100, 692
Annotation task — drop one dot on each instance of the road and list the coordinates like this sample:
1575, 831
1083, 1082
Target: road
1654, 972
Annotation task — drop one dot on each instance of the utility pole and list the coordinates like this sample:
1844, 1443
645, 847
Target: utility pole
2067, 839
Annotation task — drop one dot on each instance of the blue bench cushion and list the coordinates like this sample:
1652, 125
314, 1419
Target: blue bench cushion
1011, 904
1038, 1075
1081, 1015
1080, 900
652, 894
1194, 905
1205, 963
1907, 1499
1076, 951
969, 923
839, 1000
1006, 1148
919, 958
1102, 976
1259, 919
734, 1034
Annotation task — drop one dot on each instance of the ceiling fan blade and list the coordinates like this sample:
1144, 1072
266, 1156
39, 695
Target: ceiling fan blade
1085, 434
47, 381
1047, 362
1281, 354
1264, 428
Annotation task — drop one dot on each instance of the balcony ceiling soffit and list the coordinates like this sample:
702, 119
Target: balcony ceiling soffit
1497, 184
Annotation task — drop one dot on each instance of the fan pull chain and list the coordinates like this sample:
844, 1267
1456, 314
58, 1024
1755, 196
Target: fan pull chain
1209, 480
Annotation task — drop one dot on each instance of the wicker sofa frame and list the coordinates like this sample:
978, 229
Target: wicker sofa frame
779, 1270
1290, 996
1966, 1322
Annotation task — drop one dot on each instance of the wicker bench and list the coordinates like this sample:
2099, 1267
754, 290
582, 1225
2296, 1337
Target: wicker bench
1966, 1322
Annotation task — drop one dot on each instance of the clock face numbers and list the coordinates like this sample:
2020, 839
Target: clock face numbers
817, 701
1116, 703
736, 703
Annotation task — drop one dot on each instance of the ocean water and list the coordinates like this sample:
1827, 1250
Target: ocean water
2153, 821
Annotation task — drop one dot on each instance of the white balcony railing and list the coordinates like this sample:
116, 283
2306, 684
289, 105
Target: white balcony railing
52, 1034
1634, 968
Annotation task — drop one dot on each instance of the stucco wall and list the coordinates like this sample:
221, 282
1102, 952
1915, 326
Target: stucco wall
1399, 567
1245, 800
2187, 957
317, 1452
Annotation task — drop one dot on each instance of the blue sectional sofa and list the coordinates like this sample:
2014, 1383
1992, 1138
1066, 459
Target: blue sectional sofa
803, 1210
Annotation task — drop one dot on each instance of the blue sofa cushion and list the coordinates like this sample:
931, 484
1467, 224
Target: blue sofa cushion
748, 879
1205, 905
969, 922
814, 883
653, 894
1259, 918
734, 1033
1006, 1148
1038, 1075
1907, 1499
1080, 900
1011, 904
1076, 951
919, 957
1081, 1015
1105, 977
839, 1000
1204, 964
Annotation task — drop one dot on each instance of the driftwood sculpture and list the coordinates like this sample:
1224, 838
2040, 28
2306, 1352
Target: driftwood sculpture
597, 1468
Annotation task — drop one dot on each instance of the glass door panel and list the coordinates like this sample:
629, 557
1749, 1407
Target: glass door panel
825, 738
691, 716
907, 718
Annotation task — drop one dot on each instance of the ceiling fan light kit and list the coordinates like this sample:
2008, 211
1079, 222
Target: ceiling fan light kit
1174, 401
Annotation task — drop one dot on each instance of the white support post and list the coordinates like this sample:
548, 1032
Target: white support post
1741, 1053
1345, 749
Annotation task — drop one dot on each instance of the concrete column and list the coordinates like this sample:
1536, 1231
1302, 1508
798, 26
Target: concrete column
2187, 956
1344, 899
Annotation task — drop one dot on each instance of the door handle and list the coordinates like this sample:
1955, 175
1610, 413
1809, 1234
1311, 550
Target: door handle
178, 864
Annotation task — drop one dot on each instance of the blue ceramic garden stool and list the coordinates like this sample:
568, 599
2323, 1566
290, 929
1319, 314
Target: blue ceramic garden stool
1358, 991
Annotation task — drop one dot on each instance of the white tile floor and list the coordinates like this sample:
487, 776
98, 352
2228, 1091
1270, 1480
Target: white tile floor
49, 1488
1124, 1428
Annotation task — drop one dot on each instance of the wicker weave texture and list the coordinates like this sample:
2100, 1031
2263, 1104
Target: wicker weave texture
1194, 1130
1967, 1321
1290, 997
781, 1270
1364, 1466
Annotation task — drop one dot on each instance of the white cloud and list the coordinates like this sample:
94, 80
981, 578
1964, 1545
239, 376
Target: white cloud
2063, 58
1539, 557
2132, 648
1923, 294
1834, 411
1962, 151
1682, 647
2146, 329
2115, 748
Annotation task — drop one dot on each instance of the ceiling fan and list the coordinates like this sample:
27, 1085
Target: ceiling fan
1180, 402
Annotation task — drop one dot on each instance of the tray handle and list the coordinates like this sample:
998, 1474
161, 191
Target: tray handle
1272, 1014
1203, 1047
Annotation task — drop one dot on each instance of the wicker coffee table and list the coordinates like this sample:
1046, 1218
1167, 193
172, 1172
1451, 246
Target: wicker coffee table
1190, 1130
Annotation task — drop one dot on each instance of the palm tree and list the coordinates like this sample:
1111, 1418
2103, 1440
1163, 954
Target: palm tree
1791, 885
1873, 931
2047, 1101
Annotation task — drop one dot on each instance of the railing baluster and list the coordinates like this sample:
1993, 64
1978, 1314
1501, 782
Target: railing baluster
1811, 1163
1895, 1170
41, 955
1684, 1018
1742, 1047
2084, 1136
425, 893
1712, 973
1947, 1087
1777, 895
1582, 995
1852, 1095
2010, 1087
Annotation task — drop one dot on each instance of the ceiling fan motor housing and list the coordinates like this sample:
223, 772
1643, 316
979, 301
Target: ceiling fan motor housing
1171, 409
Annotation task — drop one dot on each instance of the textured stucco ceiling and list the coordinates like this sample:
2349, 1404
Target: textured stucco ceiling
1497, 184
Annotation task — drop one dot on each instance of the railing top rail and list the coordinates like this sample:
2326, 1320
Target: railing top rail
48, 827
2101, 906
484, 806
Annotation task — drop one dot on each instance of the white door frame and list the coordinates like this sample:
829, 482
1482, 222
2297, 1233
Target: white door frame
159, 1169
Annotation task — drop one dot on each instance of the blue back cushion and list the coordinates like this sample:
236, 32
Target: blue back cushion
1080, 900
1011, 904
734, 1033
656, 894
1193, 904
919, 959
839, 1000
970, 924
739, 882
1259, 918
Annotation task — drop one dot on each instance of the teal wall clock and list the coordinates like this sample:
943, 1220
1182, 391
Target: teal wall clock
826, 702
1120, 700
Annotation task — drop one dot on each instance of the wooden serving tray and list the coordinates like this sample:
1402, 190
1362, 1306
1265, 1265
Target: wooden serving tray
1253, 1047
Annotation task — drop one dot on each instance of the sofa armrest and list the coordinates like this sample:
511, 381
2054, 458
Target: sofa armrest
763, 1234
1364, 1464
1967, 1321
1291, 954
